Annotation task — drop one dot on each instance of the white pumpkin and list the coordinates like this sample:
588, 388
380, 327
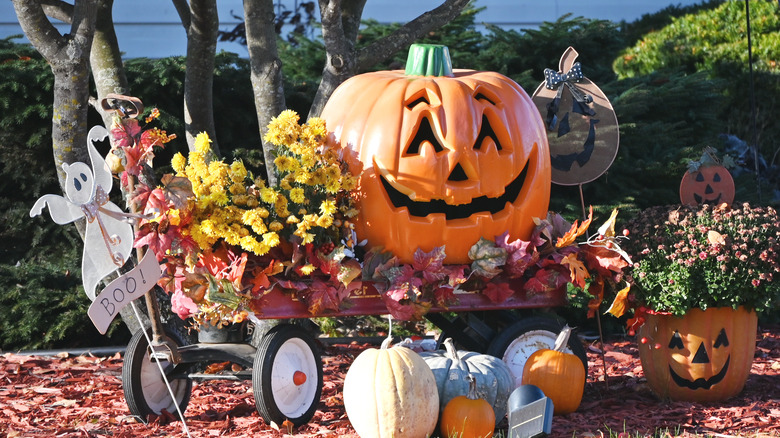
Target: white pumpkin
391, 393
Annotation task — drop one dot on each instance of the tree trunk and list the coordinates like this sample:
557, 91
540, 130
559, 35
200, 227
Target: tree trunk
266, 69
68, 57
198, 82
106, 60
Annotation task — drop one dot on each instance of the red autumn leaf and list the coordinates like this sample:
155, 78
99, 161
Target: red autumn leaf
124, 132
444, 295
603, 260
321, 296
545, 281
406, 311
575, 231
498, 292
431, 264
520, 255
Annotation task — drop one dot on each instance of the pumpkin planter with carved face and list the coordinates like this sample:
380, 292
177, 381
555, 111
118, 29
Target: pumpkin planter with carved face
703, 356
445, 157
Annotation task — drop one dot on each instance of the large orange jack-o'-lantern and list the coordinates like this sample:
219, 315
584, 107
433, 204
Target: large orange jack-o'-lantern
703, 356
446, 156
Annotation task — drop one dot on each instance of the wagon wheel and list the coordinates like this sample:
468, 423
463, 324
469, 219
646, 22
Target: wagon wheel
287, 375
143, 385
515, 344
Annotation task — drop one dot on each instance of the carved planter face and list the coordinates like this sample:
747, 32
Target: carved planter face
703, 356
445, 160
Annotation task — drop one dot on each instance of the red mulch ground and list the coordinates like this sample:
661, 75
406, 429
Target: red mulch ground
82, 397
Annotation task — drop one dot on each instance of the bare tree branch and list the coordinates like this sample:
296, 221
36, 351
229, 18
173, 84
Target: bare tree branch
183, 9
385, 47
340, 23
58, 9
38, 29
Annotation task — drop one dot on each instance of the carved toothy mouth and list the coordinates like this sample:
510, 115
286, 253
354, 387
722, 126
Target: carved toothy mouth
700, 383
477, 205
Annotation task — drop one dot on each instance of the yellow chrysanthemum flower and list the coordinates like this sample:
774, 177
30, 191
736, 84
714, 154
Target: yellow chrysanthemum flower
328, 207
302, 176
268, 195
283, 129
271, 239
238, 172
179, 163
348, 182
308, 269
237, 189
325, 221
275, 226
202, 143
297, 195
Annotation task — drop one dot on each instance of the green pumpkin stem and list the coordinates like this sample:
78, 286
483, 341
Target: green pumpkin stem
428, 60
563, 339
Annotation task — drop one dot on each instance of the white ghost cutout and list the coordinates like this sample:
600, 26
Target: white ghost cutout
109, 237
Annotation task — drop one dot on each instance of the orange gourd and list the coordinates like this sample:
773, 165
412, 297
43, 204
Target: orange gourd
705, 355
445, 156
560, 375
468, 416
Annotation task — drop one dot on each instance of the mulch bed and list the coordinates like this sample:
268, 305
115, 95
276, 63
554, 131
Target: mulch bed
82, 396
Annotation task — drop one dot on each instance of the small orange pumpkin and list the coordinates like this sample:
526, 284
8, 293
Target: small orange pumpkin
445, 157
705, 355
560, 375
468, 416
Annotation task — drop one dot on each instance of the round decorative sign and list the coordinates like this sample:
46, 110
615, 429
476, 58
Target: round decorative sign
582, 129
707, 181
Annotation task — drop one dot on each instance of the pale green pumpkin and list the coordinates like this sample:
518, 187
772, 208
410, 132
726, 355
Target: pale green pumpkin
451, 367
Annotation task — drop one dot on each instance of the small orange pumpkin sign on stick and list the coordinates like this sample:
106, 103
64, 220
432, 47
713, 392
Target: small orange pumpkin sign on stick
708, 181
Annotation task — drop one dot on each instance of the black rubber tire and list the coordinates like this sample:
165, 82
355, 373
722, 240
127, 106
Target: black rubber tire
272, 376
545, 329
143, 386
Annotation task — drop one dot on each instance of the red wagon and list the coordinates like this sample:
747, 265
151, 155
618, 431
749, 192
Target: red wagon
284, 363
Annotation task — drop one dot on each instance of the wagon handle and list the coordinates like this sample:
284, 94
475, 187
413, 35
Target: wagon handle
113, 103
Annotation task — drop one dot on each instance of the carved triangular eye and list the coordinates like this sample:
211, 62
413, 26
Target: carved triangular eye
486, 132
716, 178
424, 133
676, 341
722, 340
699, 177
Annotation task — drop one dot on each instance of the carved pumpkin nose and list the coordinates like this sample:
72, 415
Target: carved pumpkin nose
701, 355
458, 174
708, 190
